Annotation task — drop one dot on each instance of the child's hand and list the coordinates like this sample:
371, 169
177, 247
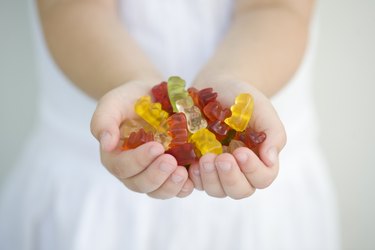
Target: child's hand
145, 169
240, 174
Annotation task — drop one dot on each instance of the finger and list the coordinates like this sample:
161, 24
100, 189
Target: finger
125, 164
209, 176
187, 189
113, 108
233, 181
266, 119
258, 174
106, 121
153, 176
195, 176
172, 185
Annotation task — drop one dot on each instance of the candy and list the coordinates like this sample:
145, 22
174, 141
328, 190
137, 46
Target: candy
241, 112
234, 144
220, 129
251, 138
205, 141
230, 135
177, 129
163, 138
195, 120
190, 123
184, 153
176, 90
202, 97
214, 111
160, 94
133, 125
152, 113
137, 138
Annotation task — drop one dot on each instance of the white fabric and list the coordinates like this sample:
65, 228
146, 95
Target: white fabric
60, 197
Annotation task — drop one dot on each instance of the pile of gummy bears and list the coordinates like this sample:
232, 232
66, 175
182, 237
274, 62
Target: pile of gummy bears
190, 123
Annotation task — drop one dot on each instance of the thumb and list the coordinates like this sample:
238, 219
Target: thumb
274, 143
105, 124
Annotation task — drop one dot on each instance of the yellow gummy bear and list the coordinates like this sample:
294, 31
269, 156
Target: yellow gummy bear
241, 112
206, 142
152, 113
176, 90
194, 118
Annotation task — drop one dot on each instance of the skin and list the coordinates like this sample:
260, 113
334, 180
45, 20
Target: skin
259, 54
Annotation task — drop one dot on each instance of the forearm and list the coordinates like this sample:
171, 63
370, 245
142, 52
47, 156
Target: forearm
264, 47
91, 46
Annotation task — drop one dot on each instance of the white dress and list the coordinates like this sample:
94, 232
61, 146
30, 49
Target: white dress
60, 197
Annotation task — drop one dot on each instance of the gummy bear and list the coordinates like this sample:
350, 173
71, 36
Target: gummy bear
205, 141
163, 138
234, 144
137, 138
177, 129
184, 154
195, 120
176, 90
251, 138
152, 113
133, 125
241, 112
220, 129
214, 111
202, 97
160, 94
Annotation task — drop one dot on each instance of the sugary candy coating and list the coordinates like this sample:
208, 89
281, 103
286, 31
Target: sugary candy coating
160, 94
205, 141
195, 120
152, 113
241, 112
133, 125
176, 90
215, 112
137, 138
184, 154
177, 129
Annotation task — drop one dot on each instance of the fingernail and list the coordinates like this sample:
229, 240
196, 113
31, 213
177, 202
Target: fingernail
224, 166
208, 167
177, 178
156, 150
105, 141
241, 158
165, 167
272, 156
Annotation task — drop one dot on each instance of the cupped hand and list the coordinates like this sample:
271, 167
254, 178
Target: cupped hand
146, 169
239, 174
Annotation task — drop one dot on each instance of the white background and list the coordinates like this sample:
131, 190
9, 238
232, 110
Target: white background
344, 89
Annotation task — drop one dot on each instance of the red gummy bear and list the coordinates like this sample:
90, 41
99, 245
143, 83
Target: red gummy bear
177, 129
215, 112
160, 94
184, 154
136, 139
219, 128
252, 138
202, 97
